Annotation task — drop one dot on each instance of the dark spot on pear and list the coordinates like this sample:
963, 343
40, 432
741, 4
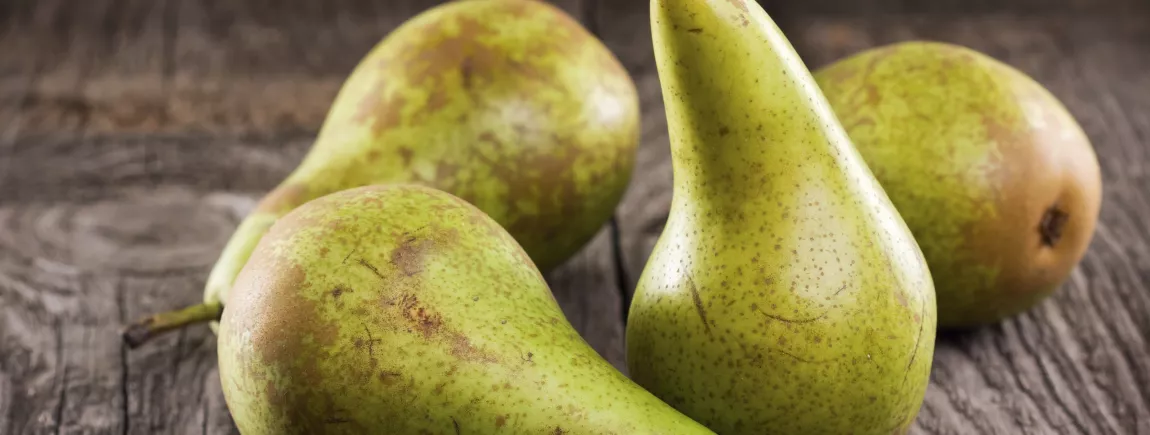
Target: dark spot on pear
1052, 224
465, 71
405, 154
339, 291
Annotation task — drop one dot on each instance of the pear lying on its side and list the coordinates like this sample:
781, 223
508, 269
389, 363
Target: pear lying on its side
405, 310
994, 177
509, 104
785, 295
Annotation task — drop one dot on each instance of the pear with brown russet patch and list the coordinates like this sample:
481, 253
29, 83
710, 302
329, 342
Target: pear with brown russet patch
401, 309
508, 104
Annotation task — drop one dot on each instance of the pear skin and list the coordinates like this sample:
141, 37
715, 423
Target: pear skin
996, 180
785, 294
509, 104
401, 309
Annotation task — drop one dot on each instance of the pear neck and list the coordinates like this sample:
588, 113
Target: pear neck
743, 144
742, 108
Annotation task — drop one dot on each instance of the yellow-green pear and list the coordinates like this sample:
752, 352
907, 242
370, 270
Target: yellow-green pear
509, 104
785, 294
400, 309
996, 180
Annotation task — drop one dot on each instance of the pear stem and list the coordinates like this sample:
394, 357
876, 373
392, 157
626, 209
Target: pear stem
149, 327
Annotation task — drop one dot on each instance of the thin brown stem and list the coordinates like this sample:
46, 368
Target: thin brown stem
140, 332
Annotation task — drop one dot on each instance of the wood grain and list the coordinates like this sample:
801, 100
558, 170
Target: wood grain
252, 66
1077, 364
943, 8
134, 135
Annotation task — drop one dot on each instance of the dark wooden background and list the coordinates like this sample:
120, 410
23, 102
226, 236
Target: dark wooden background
134, 134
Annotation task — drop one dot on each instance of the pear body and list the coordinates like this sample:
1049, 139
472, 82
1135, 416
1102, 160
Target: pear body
404, 310
785, 294
508, 104
996, 180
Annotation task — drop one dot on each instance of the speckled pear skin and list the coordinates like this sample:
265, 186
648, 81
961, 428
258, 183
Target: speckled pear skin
996, 180
785, 294
509, 104
404, 310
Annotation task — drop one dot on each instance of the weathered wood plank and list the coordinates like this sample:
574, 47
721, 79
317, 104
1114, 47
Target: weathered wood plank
214, 109
586, 290
116, 165
1077, 363
150, 253
86, 268
625, 29
133, 137
178, 65
950, 7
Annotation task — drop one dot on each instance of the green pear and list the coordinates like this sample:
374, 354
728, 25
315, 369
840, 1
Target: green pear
509, 104
785, 294
996, 180
401, 309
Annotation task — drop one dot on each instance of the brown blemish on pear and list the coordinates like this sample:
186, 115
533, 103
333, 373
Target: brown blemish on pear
511, 105
438, 310
464, 63
408, 257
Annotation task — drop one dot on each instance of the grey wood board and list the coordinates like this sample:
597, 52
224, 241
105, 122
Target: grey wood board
135, 134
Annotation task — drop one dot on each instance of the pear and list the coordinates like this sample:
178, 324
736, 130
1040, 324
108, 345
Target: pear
785, 294
996, 180
401, 309
508, 104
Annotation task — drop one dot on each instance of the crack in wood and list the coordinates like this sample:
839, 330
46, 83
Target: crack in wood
204, 424
176, 354
1046, 379
124, 366
622, 281
61, 362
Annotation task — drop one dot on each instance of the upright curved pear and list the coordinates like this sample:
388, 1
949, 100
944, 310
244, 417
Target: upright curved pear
401, 309
996, 180
509, 104
785, 295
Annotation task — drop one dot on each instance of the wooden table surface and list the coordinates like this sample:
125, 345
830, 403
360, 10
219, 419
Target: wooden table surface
134, 134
